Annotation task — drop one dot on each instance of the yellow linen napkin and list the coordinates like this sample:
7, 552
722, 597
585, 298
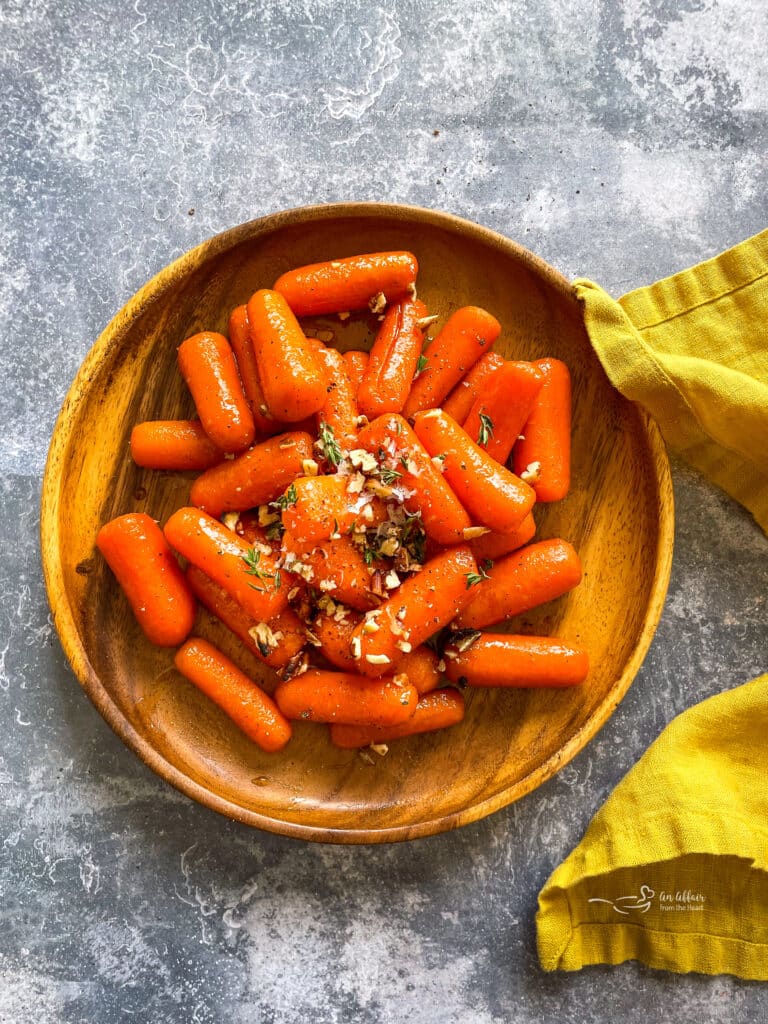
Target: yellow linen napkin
673, 869
693, 350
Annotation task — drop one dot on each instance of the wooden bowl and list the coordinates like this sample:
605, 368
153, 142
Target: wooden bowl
618, 515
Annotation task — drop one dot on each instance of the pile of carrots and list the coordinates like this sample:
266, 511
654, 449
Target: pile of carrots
355, 521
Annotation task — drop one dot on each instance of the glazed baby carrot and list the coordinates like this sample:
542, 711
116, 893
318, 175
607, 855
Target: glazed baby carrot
320, 696
466, 336
443, 518
136, 551
333, 635
420, 607
249, 707
393, 359
495, 545
321, 506
253, 478
242, 346
173, 444
490, 493
281, 640
338, 286
437, 710
249, 575
502, 659
357, 364
336, 567
421, 667
470, 387
521, 581
498, 415
544, 454
339, 412
291, 377
208, 366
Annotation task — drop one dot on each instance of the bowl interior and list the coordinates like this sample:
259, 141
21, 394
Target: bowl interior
618, 516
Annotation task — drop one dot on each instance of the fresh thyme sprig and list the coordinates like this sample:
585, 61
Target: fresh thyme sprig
486, 429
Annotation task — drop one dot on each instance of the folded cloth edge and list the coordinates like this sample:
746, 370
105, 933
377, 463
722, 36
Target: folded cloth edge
613, 944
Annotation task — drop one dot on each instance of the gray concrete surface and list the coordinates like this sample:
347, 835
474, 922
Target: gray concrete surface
622, 139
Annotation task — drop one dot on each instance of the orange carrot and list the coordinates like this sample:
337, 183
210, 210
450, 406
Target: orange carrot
333, 637
393, 359
321, 696
438, 710
442, 515
291, 378
253, 478
495, 545
490, 493
498, 415
137, 553
249, 575
466, 336
544, 454
322, 507
249, 707
357, 364
173, 444
208, 366
336, 567
340, 410
421, 667
521, 581
472, 386
242, 346
284, 637
501, 659
338, 286
421, 606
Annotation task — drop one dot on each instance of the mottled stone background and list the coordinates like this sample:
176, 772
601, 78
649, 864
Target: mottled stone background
623, 140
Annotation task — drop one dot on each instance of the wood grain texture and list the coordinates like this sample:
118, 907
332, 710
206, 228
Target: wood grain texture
619, 516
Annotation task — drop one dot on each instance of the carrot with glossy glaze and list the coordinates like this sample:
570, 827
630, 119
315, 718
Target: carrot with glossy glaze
242, 346
497, 417
337, 568
180, 445
340, 411
357, 364
240, 698
208, 366
338, 286
248, 574
321, 507
253, 478
393, 359
544, 453
502, 659
138, 554
442, 515
472, 386
292, 379
437, 710
275, 646
321, 696
466, 336
495, 545
523, 580
420, 607
491, 494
